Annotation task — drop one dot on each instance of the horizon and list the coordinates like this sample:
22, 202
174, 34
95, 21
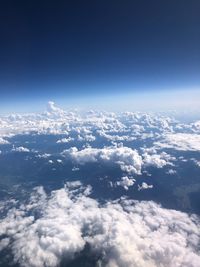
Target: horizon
163, 100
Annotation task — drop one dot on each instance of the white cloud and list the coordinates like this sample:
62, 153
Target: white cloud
180, 141
124, 233
144, 186
126, 182
171, 171
52, 109
157, 160
114, 127
3, 141
4, 243
74, 169
197, 162
65, 140
20, 149
128, 159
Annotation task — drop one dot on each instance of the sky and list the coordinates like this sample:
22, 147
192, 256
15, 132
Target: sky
88, 51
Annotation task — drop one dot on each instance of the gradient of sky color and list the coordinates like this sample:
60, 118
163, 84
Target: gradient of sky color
68, 49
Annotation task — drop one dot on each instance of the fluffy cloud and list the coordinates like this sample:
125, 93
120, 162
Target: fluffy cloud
144, 186
180, 141
20, 149
128, 159
157, 160
65, 140
126, 182
52, 109
123, 233
171, 172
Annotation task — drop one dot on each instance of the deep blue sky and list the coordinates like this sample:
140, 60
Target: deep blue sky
78, 48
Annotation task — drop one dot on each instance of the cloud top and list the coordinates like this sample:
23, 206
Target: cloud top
124, 233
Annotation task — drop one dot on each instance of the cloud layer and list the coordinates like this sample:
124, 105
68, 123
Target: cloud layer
123, 233
47, 228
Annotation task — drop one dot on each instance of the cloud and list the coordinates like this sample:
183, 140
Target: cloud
144, 186
20, 149
65, 140
157, 160
128, 159
197, 162
52, 109
90, 126
45, 155
48, 228
171, 172
126, 182
3, 141
127, 126
123, 233
180, 141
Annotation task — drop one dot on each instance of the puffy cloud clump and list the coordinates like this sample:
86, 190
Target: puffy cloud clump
144, 186
52, 109
126, 182
128, 159
20, 149
65, 140
157, 160
123, 233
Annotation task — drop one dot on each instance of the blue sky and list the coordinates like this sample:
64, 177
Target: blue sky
77, 50
182, 100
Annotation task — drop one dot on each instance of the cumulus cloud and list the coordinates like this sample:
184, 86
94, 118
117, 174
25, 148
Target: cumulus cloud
74, 169
123, 233
126, 182
157, 160
144, 186
20, 149
65, 140
171, 171
53, 109
45, 155
128, 159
